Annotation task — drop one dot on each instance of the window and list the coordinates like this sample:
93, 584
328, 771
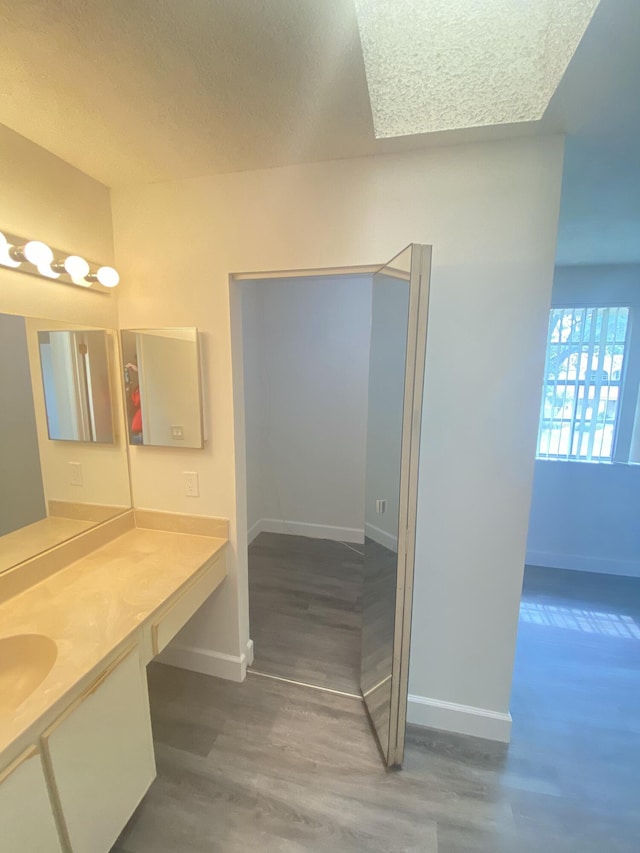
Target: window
584, 368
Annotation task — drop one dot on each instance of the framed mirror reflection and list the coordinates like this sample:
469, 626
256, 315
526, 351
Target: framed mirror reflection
75, 381
162, 387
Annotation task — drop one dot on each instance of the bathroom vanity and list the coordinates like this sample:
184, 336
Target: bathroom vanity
78, 625
90, 589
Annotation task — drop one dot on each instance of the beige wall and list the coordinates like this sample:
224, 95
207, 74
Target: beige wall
45, 198
490, 212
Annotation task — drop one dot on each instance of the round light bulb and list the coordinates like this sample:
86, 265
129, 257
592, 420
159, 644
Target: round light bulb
48, 271
5, 258
38, 253
108, 277
76, 267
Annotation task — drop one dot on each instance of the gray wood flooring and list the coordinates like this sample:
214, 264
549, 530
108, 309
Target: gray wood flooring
305, 609
271, 766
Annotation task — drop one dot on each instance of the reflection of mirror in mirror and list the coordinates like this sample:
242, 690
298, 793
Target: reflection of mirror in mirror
75, 378
162, 387
51, 490
387, 362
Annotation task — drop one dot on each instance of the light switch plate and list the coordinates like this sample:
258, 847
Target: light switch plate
75, 473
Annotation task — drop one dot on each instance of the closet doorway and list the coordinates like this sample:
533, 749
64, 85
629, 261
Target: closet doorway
306, 368
328, 374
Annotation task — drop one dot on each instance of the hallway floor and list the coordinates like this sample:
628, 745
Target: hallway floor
278, 767
304, 609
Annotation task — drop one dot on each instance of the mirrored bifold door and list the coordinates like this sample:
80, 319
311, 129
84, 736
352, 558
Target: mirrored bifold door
396, 373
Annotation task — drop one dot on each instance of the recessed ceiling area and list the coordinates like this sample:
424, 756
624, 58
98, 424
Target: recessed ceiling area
436, 65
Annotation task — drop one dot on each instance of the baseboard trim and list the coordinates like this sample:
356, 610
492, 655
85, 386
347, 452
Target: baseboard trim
281, 678
582, 563
208, 662
382, 537
306, 528
461, 719
254, 531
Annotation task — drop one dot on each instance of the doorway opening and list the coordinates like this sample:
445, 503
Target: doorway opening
328, 381
306, 369
576, 671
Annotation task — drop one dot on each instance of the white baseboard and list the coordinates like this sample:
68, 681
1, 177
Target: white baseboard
254, 531
208, 662
461, 719
581, 563
382, 537
305, 528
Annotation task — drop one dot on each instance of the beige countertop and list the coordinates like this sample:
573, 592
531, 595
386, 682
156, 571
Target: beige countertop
91, 609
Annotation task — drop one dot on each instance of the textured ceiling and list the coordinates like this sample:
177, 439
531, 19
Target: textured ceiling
436, 65
147, 90
135, 91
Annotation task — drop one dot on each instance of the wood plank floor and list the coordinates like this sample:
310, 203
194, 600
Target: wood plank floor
305, 609
271, 766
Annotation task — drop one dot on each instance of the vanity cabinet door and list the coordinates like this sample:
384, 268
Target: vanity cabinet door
101, 758
26, 816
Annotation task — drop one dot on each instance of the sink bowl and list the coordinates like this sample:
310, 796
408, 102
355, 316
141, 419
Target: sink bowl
25, 662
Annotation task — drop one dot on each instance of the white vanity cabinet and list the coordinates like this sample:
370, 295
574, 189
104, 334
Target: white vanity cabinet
100, 756
27, 823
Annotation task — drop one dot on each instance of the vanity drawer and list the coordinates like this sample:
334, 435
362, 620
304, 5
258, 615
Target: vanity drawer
167, 625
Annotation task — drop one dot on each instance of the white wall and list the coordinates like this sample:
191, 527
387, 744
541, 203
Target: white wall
584, 515
389, 333
306, 357
490, 212
251, 328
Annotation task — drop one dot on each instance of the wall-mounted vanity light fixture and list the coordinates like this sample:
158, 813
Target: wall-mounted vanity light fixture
36, 258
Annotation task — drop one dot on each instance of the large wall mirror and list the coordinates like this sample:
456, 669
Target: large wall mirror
63, 456
162, 387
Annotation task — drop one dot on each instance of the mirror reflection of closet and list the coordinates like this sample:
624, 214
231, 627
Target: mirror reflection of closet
400, 299
51, 489
75, 379
162, 387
